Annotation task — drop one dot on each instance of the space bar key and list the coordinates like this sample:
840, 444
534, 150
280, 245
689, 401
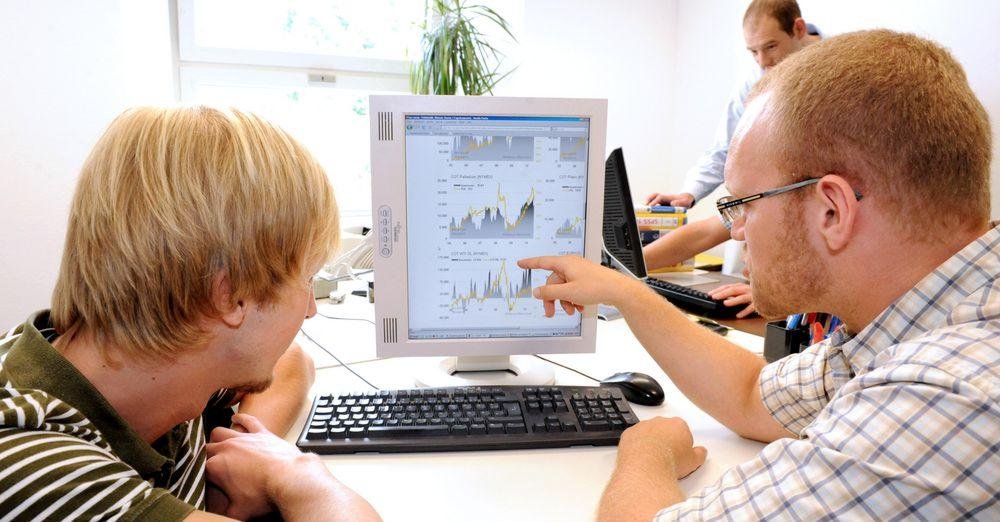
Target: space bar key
407, 431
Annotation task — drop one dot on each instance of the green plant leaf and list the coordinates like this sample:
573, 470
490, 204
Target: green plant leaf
456, 54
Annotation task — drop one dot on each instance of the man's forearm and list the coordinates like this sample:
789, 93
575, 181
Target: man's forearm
637, 491
715, 374
684, 243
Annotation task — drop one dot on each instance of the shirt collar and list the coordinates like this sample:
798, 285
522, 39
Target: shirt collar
33, 363
939, 299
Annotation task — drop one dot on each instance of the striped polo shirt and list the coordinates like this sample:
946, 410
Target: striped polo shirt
66, 454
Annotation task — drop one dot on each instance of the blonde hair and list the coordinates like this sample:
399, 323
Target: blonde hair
894, 114
168, 198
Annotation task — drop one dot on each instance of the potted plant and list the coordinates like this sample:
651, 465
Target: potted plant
455, 53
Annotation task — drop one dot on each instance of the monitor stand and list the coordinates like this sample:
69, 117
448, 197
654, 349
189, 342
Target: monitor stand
500, 370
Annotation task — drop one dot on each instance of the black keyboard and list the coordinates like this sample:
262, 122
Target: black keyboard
461, 419
694, 301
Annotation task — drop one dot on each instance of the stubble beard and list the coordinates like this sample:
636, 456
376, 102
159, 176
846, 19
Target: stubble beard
795, 280
253, 386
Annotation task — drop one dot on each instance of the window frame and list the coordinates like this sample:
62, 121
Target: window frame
195, 65
190, 53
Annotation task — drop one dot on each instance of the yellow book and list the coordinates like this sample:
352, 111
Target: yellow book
653, 225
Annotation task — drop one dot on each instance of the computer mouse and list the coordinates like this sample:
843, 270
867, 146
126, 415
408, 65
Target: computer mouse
637, 387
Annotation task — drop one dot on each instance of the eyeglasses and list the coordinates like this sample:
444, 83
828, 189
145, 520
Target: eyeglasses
731, 209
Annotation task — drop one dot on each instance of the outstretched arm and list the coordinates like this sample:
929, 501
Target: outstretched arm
717, 375
684, 242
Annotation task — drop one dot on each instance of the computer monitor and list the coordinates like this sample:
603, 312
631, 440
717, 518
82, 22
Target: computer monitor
620, 231
463, 187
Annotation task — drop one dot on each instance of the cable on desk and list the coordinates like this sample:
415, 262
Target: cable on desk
550, 361
346, 318
328, 352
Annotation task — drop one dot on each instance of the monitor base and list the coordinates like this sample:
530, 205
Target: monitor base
503, 370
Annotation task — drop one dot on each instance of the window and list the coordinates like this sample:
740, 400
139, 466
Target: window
307, 65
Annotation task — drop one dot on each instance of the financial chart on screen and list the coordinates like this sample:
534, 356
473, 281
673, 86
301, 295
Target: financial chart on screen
481, 193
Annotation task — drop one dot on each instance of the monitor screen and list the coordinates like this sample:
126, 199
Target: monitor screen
483, 191
463, 187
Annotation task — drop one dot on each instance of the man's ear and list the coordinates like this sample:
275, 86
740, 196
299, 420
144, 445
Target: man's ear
838, 211
231, 312
799, 29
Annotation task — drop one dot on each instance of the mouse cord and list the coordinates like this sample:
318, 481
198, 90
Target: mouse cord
550, 361
328, 352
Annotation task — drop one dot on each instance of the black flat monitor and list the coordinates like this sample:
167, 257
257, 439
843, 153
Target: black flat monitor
621, 233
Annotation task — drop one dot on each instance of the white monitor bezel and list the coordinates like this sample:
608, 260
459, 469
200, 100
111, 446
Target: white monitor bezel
388, 113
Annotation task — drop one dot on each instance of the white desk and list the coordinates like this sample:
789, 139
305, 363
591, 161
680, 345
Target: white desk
540, 484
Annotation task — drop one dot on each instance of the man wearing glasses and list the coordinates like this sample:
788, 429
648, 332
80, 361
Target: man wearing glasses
842, 152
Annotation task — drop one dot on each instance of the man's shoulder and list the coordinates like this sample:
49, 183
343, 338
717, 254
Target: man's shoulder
54, 461
33, 410
961, 359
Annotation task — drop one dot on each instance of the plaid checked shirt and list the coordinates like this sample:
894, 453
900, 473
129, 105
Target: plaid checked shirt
900, 421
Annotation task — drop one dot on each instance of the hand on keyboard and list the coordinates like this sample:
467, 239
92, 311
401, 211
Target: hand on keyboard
735, 295
694, 301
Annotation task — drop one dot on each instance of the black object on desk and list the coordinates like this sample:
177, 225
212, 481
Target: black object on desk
461, 419
693, 300
623, 249
781, 342
637, 387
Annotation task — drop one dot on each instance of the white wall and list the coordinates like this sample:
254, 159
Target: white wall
68, 69
621, 51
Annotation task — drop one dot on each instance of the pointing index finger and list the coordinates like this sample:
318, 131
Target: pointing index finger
542, 262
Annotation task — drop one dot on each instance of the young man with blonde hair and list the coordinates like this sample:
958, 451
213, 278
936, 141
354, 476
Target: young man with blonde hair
844, 149
192, 240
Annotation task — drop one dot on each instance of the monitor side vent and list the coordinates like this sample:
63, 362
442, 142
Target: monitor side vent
385, 126
389, 334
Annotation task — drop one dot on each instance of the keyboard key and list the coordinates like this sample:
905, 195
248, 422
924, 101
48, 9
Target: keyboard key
595, 425
516, 427
494, 427
460, 429
477, 429
504, 419
430, 430
317, 433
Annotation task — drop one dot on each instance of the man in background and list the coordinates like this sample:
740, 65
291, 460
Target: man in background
843, 149
773, 30
187, 269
